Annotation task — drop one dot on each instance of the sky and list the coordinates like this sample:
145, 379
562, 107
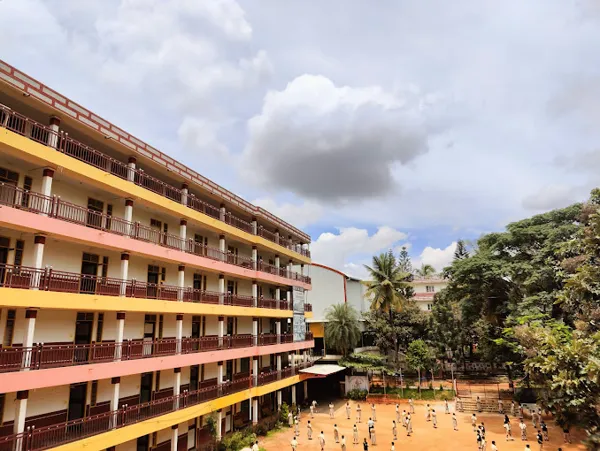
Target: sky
408, 123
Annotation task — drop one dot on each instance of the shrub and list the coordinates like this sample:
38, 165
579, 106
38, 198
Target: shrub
212, 425
441, 387
430, 386
237, 441
260, 429
283, 413
358, 395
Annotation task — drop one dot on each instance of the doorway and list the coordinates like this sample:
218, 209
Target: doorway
149, 333
77, 396
194, 377
153, 278
196, 326
83, 336
4, 246
94, 213
8, 191
146, 387
89, 273
143, 443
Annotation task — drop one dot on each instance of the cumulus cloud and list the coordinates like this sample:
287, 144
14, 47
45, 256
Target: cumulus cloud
350, 247
301, 215
333, 143
553, 196
437, 257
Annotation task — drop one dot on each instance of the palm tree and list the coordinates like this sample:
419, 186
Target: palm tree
342, 332
425, 271
387, 287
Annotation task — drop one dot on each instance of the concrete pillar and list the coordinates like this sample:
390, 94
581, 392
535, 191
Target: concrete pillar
278, 357
250, 409
114, 400
221, 289
277, 236
179, 332
46, 190
119, 335
255, 292
183, 233
177, 386
38, 251
255, 257
277, 263
289, 297
222, 212
221, 330
305, 389
174, 437
277, 296
255, 331
54, 125
293, 394
254, 226
279, 401
220, 373
290, 246
180, 282
222, 248
302, 270
28, 333
292, 359
128, 215
184, 193
289, 269
131, 169
255, 410
124, 273
20, 414
255, 370
278, 330
219, 423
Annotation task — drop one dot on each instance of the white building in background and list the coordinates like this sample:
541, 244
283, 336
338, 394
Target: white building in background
426, 288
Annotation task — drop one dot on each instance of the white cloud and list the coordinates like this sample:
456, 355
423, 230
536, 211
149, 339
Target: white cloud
436, 257
351, 247
551, 197
301, 215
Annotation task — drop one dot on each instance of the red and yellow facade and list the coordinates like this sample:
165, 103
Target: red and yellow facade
137, 298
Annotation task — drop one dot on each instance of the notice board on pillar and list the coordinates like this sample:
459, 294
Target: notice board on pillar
298, 303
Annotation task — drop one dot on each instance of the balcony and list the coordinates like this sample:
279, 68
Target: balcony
56, 208
44, 356
58, 434
61, 142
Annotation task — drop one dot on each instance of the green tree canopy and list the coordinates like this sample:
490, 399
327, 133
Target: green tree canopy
342, 331
425, 271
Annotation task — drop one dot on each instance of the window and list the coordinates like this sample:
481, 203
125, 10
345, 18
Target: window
430, 289
10, 328
19, 252
429, 306
104, 267
94, 393
157, 380
155, 223
160, 328
9, 176
163, 274
231, 287
109, 213
27, 184
100, 327
90, 258
85, 316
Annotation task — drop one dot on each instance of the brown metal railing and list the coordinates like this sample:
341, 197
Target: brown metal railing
34, 439
267, 339
54, 207
61, 142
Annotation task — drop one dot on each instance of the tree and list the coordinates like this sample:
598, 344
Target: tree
342, 331
461, 250
404, 261
425, 271
387, 287
419, 357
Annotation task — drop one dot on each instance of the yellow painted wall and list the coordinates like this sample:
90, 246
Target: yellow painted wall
317, 329
32, 151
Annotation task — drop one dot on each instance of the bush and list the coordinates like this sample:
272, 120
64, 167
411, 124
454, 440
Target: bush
358, 395
430, 386
283, 413
441, 387
237, 441
211, 422
260, 429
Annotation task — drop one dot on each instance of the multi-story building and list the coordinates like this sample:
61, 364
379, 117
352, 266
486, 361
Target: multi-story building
426, 288
137, 298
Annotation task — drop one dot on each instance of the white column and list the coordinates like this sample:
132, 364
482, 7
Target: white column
219, 422
38, 251
220, 373
128, 216
250, 409
20, 413
289, 297
119, 335
46, 190
293, 394
255, 331
301, 270
305, 389
177, 386
277, 236
28, 333
255, 257
278, 357
180, 282
278, 330
124, 273
292, 359
255, 370
279, 402
255, 410
255, 292
221, 330
184, 193
222, 212
131, 169
277, 263
254, 226
289, 269
114, 400
179, 332
183, 233
53, 136
222, 248
174, 436
221, 289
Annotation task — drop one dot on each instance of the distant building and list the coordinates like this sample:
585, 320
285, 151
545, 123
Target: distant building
426, 288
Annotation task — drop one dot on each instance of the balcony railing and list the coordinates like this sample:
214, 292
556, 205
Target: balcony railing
60, 141
43, 356
54, 207
35, 439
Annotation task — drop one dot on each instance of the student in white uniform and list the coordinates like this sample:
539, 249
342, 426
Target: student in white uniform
523, 428
373, 412
404, 418
373, 439
330, 410
358, 413
500, 406
474, 422
294, 444
512, 408
398, 413
336, 434
409, 427
290, 419
411, 405
434, 418
322, 440
296, 427
255, 446
355, 435
454, 421
478, 405
394, 430
428, 413
494, 447
309, 430
343, 443
312, 410
348, 410
393, 448
446, 407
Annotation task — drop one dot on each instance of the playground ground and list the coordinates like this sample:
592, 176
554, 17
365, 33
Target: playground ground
424, 437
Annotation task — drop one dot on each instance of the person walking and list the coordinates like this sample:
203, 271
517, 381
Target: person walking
458, 405
331, 410
454, 422
567, 434
521, 414
478, 404
314, 404
482, 429
355, 435
373, 412
365, 445
411, 405
512, 408
474, 422
290, 419
309, 430
358, 413
544, 428
500, 406
370, 424
434, 418
394, 430
296, 427
540, 440
523, 428
428, 413
322, 441
409, 428
343, 443
404, 418
336, 434
348, 410
478, 438
494, 447
255, 446
398, 413
483, 443
446, 407
534, 418
373, 439
508, 430
312, 410
294, 444
393, 448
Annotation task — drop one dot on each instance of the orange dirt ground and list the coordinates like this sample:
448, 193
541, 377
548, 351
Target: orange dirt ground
424, 437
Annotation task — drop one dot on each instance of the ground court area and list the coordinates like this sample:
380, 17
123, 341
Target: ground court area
424, 436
